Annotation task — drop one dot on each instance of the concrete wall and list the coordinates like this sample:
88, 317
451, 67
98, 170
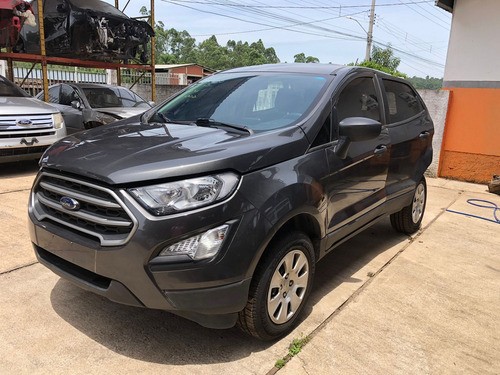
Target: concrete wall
437, 104
162, 91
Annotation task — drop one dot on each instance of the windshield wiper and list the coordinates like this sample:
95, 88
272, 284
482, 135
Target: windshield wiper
211, 123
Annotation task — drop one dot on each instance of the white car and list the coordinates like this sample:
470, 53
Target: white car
28, 126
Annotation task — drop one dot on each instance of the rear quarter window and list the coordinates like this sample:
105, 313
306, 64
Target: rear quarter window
402, 101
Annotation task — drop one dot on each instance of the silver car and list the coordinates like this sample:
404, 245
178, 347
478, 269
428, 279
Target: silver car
28, 126
88, 105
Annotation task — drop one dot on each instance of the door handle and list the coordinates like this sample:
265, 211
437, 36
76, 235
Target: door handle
424, 135
380, 150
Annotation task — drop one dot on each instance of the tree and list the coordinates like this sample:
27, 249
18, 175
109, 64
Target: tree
383, 60
178, 47
211, 54
301, 58
385, 57
429, 83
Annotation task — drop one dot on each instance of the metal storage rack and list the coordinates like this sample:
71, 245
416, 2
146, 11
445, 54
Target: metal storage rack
43, 59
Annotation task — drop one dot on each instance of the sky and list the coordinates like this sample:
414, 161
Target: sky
333, 31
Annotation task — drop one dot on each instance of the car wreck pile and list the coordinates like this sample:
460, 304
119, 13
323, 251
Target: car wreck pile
85, 29
13, 15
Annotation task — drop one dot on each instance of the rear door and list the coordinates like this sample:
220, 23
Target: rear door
356, 183
410, 129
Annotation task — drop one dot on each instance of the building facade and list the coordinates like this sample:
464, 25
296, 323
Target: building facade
471, 143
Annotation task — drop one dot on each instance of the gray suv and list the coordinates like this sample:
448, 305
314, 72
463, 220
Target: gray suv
217, 204
27, 126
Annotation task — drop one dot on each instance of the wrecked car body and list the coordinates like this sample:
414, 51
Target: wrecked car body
87, 29
13, 15
88, 105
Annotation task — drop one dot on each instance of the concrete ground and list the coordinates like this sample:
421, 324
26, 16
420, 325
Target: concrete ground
382, 303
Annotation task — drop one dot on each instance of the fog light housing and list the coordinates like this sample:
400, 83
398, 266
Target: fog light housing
203, 246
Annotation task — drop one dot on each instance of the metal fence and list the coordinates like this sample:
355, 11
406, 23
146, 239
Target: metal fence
134, 76
31, 80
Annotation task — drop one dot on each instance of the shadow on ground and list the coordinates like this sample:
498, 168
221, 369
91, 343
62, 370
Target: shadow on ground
18, 169
160, 337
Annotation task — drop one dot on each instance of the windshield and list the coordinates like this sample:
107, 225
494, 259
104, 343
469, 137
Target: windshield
110, 97
259, 102
7, 88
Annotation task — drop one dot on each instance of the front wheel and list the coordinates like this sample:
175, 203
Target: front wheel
280, 288
409, 219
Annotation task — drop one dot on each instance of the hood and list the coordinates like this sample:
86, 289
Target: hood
24, 106
133, 153
122, 112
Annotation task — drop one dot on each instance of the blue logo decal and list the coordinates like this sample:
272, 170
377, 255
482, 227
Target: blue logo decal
24, 122
69, 203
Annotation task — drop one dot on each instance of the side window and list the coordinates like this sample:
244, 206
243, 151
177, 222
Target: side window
54, 94
358, 99
67, 95
402, 101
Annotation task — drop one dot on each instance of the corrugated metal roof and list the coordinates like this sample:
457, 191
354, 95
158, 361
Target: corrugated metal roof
446, 5
172, 66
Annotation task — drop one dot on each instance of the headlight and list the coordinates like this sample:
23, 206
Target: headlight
185, 195
58, 121
203, 246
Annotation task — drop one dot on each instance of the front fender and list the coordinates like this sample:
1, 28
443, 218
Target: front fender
284, 191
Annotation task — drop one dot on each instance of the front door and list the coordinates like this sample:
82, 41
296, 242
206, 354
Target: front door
356, 183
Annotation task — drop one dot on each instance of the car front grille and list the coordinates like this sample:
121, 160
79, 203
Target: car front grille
10, 122
17, 134
97, 211
15, 151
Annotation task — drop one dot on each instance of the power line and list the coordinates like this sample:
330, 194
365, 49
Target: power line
263, 24
296, 6
423, 15
280, 27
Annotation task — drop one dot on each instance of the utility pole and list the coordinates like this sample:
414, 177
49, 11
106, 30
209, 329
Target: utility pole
369, 35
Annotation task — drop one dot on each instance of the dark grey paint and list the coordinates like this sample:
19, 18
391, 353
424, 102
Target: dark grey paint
284, 184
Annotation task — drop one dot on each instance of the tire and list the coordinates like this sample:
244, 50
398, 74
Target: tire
280, 288
409, 219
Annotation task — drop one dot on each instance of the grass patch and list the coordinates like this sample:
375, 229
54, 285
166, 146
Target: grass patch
293, 349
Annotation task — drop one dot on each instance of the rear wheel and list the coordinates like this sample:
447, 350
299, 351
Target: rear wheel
409, 219
280, 288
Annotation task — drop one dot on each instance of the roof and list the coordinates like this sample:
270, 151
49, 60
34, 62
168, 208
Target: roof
446, 5
312, 68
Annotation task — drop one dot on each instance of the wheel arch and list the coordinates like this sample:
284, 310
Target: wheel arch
303, 222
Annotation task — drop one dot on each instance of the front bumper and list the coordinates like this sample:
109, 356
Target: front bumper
210, 292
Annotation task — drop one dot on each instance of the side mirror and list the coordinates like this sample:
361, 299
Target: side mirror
359, 128
76, 104
355, 129
151, 103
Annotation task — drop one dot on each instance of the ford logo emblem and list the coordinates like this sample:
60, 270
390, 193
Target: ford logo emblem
24, 122
69, 203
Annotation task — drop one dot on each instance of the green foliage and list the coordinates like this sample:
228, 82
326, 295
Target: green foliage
429, 83
297, 345
280, 363
293, 349
385, 57
178, 47
383, 60
302, 58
